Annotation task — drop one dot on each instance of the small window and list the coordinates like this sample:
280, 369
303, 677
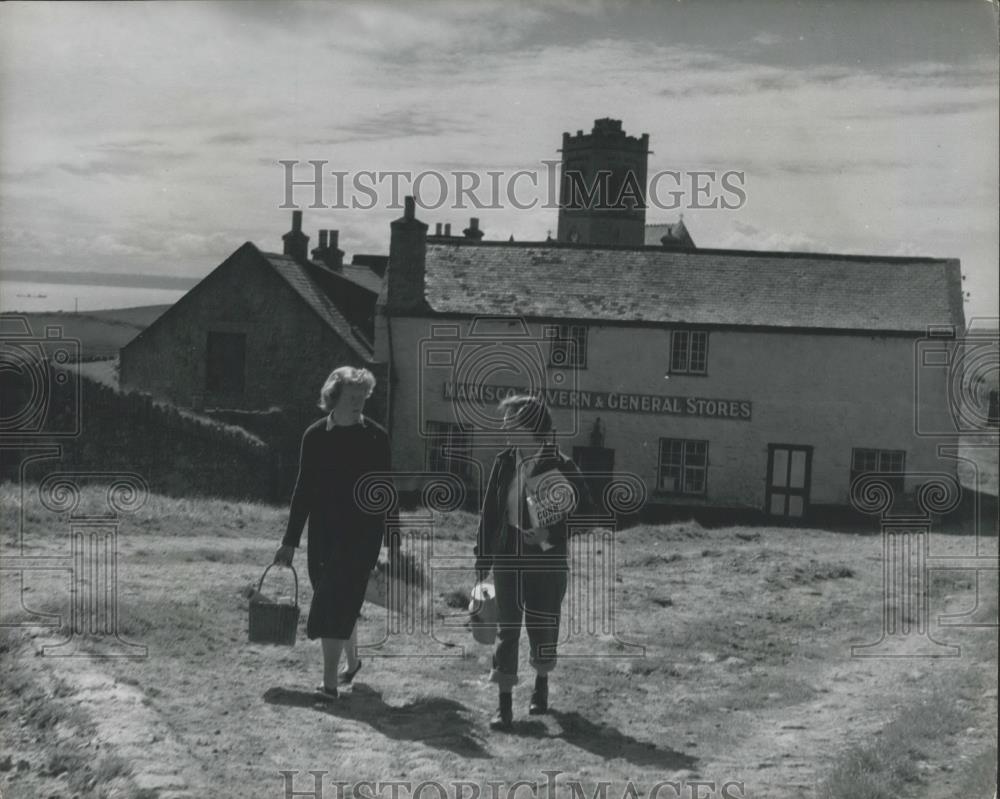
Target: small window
866, 460
225, 363
689, 352
683, 467
569, 346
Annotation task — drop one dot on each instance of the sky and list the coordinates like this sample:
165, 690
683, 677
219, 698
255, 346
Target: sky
146, 137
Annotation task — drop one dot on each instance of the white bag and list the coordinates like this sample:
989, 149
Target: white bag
483, 613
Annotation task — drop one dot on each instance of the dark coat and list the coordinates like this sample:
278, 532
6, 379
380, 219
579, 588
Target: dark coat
344, 539
493, 545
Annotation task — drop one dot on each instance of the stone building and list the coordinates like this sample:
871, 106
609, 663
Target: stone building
757, 382
262, 330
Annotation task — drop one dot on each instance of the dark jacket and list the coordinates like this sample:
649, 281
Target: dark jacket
493, 545
330, 464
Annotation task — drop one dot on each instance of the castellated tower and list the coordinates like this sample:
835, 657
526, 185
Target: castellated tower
602, 191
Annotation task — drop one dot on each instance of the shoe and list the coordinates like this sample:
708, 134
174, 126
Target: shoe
539, 697
504, 718
327, 693
345, 677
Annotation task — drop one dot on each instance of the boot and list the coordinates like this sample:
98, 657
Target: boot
540, 696
504, 718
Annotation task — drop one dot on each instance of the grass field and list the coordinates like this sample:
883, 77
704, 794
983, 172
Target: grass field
728, 661
97, 333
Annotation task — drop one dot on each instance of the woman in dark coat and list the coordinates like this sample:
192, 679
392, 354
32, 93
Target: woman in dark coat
344, 539
530, 567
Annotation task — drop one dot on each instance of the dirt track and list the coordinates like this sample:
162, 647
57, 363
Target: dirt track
732, 665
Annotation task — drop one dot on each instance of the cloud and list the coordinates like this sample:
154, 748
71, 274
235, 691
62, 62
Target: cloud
230, 138
766, 39
928, 108
123, 158
398, 123
744, 236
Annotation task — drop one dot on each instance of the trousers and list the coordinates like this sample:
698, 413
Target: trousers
532, 596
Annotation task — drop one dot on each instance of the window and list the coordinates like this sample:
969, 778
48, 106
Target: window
569, 346
864, 461
683, 466
447, 449
689, 352
225, 362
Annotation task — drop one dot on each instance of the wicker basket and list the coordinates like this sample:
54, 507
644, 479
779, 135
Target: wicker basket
274, 622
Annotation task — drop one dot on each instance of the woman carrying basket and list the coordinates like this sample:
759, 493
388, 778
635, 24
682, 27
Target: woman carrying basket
344, 539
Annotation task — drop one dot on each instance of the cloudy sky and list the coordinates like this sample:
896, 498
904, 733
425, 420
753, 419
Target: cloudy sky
145, 137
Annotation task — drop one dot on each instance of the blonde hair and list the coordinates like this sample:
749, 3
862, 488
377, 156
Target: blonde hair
339, 377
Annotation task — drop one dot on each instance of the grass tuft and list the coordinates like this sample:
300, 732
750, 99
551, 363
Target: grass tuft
876, 770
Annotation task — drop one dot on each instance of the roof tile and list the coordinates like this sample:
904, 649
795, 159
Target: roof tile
703, 287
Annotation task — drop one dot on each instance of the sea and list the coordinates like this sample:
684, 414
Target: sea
16, 295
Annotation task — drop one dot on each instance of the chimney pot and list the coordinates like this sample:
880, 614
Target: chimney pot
447, 229
473, 231
409, 208
296, 221
437, 229
334, 237
322, 239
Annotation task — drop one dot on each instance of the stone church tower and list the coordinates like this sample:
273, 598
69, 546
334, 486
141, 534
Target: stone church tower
602, 192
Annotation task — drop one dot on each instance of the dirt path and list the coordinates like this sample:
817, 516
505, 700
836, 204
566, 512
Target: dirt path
746, 677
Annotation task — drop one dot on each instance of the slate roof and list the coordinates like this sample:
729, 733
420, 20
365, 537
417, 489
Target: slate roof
362, 276
698, 287
296, 275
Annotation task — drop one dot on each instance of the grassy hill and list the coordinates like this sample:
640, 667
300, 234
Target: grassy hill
100, 333
721, 656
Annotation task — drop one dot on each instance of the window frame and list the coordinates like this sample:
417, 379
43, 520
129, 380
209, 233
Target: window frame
879, 461
687, 351
681, 480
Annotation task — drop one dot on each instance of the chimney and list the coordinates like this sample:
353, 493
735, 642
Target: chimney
333, 257
473, 231
319, 253
447, 229
404, 283
296, 243
437, 229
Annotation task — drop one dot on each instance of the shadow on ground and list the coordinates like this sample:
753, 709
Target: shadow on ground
435, 721
444, 724
609, 743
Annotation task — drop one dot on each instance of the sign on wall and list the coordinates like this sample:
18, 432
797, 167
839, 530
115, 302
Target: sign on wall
606, 400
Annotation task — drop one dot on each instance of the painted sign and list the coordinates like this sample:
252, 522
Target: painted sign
606, 400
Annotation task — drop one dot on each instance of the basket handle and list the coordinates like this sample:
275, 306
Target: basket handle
294, 574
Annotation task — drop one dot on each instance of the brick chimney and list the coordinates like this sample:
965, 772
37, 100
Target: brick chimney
296, 243
319, 253
473, 231
404, 286
334, 258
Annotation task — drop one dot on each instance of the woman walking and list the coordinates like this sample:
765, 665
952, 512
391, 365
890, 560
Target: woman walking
344, 540
529, 564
